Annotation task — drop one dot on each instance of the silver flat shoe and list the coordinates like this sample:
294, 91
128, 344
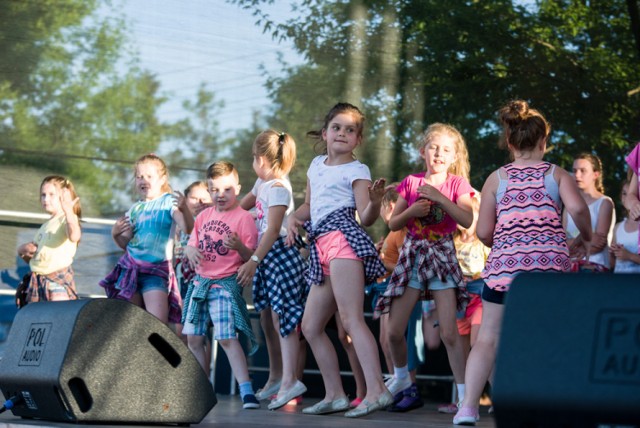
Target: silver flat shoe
290, 394
324, 407
385, 400
265, 394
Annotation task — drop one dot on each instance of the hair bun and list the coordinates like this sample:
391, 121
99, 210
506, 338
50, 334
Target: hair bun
514, 112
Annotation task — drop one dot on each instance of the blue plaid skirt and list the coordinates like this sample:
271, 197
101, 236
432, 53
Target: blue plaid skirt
279, 283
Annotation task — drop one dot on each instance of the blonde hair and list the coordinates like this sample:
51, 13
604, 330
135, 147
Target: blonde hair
63, 183
461, 165
278, 148
222, 168
193, 186
162, 169
596, 165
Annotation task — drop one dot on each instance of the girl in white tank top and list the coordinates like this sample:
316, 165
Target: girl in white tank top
624, 248
587, 171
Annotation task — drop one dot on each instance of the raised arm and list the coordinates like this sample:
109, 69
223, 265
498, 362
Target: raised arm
368, 199
73, 222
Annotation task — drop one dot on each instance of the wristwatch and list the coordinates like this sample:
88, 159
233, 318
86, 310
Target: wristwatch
255, 258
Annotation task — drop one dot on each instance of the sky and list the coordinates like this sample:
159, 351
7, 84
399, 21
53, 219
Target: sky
187, 42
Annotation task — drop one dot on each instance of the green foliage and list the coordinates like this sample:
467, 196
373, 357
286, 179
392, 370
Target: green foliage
65, 106
409, 63
197, 137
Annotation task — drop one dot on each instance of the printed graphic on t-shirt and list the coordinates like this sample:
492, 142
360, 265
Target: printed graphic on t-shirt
259, 210
430, 227
211, 240
435, 216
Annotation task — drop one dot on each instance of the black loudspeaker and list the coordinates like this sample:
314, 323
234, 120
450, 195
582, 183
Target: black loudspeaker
569, 353
101, 360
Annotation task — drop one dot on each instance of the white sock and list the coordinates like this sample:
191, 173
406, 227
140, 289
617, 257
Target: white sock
460, 387
401, 372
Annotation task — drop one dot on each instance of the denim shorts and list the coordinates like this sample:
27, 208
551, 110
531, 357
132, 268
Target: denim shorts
435, 284
151, 283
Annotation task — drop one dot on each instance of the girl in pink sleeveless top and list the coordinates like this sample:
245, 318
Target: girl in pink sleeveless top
520, 219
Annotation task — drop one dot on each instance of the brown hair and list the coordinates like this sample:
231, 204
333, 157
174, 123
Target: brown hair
390, 195
222, 168
162, 168
596, 165
337, 109
278, 148
63, 183
523, 127
461, 166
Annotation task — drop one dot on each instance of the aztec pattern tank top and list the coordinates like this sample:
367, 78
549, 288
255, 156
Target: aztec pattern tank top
528, 235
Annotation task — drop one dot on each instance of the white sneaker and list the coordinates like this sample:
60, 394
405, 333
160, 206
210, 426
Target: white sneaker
398, 385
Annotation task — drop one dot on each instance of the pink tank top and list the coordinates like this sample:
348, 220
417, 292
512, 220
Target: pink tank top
528, 235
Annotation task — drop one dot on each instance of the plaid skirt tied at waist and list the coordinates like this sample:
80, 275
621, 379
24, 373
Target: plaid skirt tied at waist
38, 288
279, 283
433, 259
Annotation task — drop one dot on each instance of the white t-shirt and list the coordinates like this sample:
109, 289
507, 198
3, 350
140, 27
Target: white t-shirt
332, 186
269, 195
594, 209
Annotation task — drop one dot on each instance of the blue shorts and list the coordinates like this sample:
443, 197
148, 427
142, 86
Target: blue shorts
435, 284
148, 282
216, 309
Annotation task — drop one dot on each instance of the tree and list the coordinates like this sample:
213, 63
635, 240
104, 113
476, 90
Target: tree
410, 63
197, 139
65, 104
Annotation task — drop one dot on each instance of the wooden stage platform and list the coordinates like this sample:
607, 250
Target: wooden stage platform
229, 413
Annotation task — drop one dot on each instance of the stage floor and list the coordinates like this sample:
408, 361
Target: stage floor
229, 413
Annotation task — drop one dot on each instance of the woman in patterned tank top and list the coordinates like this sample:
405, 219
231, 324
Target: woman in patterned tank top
520, 219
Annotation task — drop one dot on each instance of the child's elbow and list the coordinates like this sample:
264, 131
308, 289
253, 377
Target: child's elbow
485, 237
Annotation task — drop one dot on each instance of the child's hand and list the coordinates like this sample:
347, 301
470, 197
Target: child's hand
420, 208
180, 201
620, 252
122, 231
66, 203
203, 206
379, 245
246, 273
27, 251
292, 230
193, 256
429, 192
123, 227
580, 249
376, 190
233, 241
